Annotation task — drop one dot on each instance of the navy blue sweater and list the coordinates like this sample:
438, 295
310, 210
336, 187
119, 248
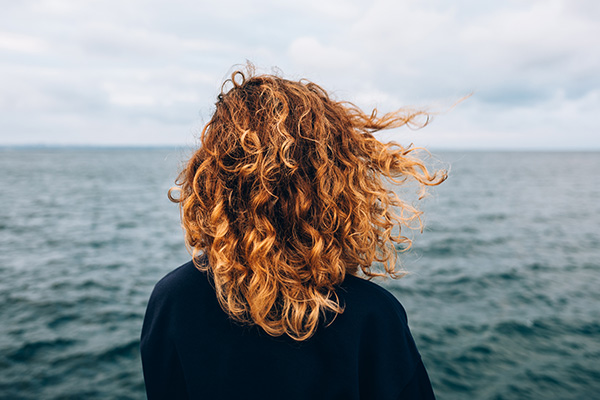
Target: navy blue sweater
192, 350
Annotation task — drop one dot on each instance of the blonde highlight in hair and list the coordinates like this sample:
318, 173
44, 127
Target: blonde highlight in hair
286, 196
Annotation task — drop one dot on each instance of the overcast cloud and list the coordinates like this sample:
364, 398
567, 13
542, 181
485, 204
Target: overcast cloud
140, 72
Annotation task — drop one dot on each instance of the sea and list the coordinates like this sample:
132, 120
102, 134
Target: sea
502, 295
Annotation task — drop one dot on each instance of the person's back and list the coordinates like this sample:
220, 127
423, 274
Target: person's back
284, 207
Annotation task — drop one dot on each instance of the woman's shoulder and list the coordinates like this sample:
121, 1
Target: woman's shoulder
369, 297
183, 282
375, 326
180, 275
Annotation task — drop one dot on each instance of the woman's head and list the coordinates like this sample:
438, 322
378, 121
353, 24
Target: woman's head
286, 196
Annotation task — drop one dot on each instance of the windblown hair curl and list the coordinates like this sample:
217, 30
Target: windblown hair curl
286, 196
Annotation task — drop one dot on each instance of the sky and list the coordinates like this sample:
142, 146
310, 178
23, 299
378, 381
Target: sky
147, 72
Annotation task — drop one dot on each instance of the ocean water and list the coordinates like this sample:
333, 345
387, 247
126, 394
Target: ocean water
503, 297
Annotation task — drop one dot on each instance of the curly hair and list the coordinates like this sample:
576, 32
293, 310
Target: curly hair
286, 196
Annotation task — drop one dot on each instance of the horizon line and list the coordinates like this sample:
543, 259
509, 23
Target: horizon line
115, 146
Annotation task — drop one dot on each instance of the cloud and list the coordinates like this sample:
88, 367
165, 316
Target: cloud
308, 52
14, 42
108, 40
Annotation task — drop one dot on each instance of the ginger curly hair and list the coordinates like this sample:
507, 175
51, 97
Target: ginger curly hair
286, 196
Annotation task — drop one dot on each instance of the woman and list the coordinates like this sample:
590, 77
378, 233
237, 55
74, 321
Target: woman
285, 208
